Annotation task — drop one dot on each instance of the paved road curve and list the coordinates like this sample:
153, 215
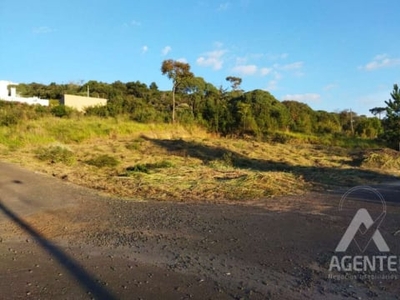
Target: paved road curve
60, 241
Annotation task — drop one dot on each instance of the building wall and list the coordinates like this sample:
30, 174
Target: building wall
4, 92
10, 94
80, 103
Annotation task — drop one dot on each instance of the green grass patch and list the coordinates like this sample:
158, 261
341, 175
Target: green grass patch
103, 161
147, 168
55, 154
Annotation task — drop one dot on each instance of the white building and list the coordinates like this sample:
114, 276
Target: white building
10, 94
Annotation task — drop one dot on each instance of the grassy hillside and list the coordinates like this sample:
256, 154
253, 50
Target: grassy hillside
147, 161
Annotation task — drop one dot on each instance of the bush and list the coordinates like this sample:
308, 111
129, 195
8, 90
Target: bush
56, 154
99, 111
9, 118
280, 138
61, 111
102, 161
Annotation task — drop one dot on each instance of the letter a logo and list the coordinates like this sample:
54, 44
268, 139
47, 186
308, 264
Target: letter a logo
362, 217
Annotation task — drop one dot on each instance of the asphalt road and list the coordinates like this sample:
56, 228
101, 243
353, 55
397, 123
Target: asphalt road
61, 241
25, 192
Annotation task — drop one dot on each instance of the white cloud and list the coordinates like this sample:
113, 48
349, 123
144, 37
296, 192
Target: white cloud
223, 6
245, 69
182, 60
166, 50
330, 86
212, 59
272, 85
132, 23
265, 71
278, 76
42, 30
308, 97
381, 61
218, 44
248, 70
293, 66
145, 49
241, 60
277, 56
135, 23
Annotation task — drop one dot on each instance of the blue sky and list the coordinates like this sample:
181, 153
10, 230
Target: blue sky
330, 54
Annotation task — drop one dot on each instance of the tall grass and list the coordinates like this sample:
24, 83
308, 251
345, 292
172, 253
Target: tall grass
327, 140
79, 129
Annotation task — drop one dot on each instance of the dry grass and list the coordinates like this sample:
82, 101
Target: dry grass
173, 163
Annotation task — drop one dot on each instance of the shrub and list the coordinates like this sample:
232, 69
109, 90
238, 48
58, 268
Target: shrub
56, 154
280, 138
99, 111
9, 118
61, 111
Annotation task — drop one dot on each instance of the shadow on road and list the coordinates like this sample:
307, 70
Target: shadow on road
86, 280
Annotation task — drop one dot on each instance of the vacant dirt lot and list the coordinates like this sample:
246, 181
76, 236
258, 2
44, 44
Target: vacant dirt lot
60, 241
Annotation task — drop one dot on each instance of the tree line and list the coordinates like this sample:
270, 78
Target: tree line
226, 111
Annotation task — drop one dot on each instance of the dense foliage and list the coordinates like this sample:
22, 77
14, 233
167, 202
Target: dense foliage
223, 111
391, 122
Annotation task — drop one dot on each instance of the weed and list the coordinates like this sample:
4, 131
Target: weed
142, 168
135, 145
281, 138
102, 161
62, 111
227, 159
225, 162
146, 168
56, 154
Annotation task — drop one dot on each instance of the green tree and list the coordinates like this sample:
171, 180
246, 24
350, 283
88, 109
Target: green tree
391, 122
195, 89
235, 82
247, 123
216, 112
302, 117
327, 122
153, 86
377, 111
367, 127
178, 72
268, 113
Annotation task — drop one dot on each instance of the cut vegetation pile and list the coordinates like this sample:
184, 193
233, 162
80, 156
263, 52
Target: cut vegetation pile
385, 159
169, 162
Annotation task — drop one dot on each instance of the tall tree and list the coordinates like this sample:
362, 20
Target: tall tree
377, 111
391, 122
235, 82
178, 72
